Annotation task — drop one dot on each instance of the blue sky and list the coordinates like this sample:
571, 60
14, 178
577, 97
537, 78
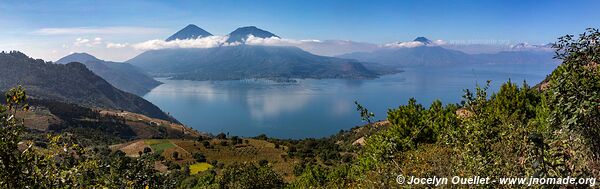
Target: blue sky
31, 26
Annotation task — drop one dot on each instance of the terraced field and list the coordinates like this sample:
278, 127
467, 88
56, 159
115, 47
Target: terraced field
159, 145
221, 151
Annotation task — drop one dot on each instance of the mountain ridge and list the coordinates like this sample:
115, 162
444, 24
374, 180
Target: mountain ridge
71, 83
247, 61
428, 56
123, 76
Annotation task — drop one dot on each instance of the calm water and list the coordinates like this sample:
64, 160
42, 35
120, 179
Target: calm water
316, 108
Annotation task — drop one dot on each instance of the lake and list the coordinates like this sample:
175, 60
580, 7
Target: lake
319, 108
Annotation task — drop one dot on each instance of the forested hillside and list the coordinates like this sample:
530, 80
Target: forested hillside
72, 83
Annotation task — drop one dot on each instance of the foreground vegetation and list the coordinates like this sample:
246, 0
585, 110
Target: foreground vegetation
550, 130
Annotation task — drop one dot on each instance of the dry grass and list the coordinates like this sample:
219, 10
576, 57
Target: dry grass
38, 118
253, 151
141, 124
132, 149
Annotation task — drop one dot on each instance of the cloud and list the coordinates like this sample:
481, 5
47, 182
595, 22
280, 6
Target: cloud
412, 44
81, 41
216, 41
408, 44
97, 30
276, 41
440, 42
111, 45
204, 42
97, 41
326, 48
527, 46
87, 42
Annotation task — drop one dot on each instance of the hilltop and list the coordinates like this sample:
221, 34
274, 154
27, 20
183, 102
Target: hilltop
189, 32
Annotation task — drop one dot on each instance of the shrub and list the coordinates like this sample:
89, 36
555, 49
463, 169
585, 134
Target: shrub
250, 176
199, 157
222, 136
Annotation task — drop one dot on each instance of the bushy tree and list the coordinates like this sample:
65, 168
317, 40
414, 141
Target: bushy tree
249, 176
574, 103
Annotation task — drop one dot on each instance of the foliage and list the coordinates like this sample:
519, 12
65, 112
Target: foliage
412, 125
64, 163
365, 115
199, 157
249, 176
574, 103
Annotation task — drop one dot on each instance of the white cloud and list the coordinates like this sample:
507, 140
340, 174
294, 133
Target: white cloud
326, 48
204, 42
408, 44
411, 44
97, 41
527, 46
97, 30
81, 41
276, 41
440, 42
86, 42
111, 45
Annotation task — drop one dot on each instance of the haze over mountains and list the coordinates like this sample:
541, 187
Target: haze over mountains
251, 52
123, 76
422, 52
238, 60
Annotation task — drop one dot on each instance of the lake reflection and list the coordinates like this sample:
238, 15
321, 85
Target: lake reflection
315, 108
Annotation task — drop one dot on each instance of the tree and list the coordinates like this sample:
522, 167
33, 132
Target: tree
250, 176
63, 163
200, 157
263, 162
147, 150
365, 115
222, 136
574, 103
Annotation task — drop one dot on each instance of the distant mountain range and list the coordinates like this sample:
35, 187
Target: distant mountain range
243, 61
246, 61
428, 55
72, 83
123, 76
